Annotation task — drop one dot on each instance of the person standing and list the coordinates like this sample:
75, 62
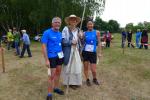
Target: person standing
138, 36
16, 40
107, 38
0, 44
9, 39
124, 36
52, 51
129, 38
90, 52
26, 44
144, 39
72, 70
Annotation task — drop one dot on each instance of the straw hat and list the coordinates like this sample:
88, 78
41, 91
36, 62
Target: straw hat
78, 19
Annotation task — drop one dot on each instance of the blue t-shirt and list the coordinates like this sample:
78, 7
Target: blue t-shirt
26, 39
138, 34
52, 40
124, 34
90, 41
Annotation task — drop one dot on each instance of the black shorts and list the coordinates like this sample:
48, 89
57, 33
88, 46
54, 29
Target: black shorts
54, 62
89, 56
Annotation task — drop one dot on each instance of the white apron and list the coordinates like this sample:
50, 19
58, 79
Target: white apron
72, 72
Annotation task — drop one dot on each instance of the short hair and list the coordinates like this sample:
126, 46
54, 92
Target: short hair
14, 28
23, 31
10, 29
90, 21
55, 19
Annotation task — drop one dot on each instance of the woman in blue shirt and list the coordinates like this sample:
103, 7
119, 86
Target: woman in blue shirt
138, 36
90, 52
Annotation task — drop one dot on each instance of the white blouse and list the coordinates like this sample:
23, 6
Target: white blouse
65, 33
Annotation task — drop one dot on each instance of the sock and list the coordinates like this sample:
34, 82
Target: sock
56, 89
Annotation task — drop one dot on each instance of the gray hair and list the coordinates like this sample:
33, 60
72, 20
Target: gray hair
56, 19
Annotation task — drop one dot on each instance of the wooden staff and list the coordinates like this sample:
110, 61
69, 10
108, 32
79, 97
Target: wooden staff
83, 15
123, 49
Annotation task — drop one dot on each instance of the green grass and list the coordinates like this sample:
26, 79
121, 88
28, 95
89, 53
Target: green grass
123, 76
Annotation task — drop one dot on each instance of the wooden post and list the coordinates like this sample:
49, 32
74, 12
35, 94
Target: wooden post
123, 50
3, 61
124, 43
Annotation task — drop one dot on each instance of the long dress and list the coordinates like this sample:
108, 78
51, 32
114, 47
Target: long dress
72, 72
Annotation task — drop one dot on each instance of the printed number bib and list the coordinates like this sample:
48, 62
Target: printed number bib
89, 48
60, 55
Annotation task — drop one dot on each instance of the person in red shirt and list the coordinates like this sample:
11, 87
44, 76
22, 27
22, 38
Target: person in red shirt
144, 39
107, 38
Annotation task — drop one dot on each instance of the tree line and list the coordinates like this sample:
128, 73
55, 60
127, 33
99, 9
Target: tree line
36, 15
140, 25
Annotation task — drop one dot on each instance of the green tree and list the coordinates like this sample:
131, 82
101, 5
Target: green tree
113, 26
129, 26
35, 15
100, 24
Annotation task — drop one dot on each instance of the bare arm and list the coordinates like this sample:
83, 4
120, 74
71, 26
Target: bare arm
99, 44
44, 51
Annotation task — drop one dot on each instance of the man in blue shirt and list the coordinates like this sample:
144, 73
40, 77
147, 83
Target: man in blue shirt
26, 44
52, 51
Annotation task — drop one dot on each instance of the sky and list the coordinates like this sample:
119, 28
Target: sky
127, 11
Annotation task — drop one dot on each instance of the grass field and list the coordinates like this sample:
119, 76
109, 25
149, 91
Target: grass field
123, 76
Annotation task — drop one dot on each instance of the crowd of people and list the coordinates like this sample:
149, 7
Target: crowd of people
66, 52
62, 52
141, 39
107, 37
19, 41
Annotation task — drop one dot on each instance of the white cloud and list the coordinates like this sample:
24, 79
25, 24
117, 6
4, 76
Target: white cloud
126, 11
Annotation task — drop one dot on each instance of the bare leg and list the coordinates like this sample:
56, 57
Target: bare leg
86, 67
93, 69
57, 76
51, 80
